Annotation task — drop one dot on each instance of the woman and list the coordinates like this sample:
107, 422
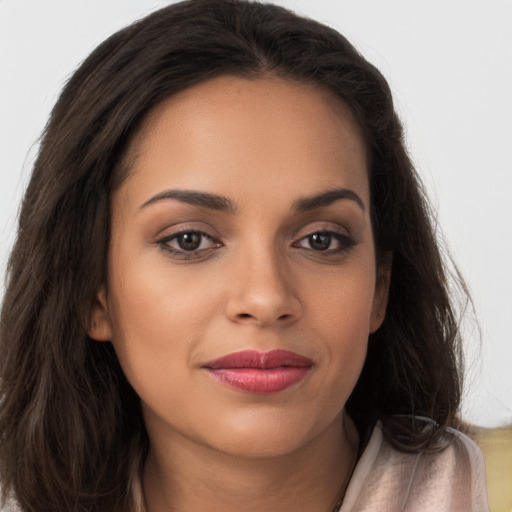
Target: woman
226, 292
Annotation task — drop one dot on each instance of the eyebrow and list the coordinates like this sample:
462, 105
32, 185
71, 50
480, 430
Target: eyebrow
326, 198
196, 198
223, 204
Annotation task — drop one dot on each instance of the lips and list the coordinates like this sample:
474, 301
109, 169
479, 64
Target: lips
260, 372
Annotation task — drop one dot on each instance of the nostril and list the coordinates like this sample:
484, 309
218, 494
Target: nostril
245, 315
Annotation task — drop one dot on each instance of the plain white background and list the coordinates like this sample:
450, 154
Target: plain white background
449, 63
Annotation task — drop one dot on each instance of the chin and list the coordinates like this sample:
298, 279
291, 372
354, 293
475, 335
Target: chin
266, 435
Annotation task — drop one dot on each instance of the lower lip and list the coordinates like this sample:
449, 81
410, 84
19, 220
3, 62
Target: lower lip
262, 381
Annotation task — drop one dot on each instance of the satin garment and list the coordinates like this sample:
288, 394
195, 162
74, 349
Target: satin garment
387, 480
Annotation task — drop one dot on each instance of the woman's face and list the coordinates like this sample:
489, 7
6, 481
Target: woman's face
242, 281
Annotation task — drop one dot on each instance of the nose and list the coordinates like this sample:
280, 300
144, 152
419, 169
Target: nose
262, 291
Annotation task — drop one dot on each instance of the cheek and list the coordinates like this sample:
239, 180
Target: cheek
158, 320
343, 300
340, 314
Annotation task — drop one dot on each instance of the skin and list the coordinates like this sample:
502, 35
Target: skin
258, 281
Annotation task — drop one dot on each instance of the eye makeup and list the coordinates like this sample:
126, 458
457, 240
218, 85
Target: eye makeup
327, 242
189, 243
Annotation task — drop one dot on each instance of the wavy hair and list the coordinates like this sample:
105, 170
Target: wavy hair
71, 430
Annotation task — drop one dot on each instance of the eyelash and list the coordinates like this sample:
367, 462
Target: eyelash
163, 243
345, 242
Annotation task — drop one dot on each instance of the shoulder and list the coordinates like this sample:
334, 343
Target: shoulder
449, 479
452, 477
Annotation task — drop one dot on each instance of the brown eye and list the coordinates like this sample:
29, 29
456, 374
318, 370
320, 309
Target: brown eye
329, 242
320, 241
188, 244
189, 241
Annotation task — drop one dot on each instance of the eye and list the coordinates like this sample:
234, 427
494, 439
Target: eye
191, 241
187, 244
326, 241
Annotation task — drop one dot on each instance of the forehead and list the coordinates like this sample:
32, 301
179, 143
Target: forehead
229, 132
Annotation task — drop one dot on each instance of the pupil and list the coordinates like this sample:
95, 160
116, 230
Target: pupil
189, 241
320, 241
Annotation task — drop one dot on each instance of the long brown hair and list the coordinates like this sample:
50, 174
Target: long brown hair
71, 428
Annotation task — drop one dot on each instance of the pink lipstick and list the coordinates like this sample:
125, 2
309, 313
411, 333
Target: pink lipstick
260, 372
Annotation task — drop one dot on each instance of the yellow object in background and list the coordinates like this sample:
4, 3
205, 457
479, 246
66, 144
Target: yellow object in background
496, 444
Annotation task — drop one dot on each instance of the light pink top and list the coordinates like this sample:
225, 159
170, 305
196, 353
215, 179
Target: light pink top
387, 480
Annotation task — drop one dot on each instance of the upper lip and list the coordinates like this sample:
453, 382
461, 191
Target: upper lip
259, 360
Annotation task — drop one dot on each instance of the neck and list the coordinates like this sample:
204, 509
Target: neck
311, 478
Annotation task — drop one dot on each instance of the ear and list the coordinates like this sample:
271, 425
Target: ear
100, 327
380, 298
